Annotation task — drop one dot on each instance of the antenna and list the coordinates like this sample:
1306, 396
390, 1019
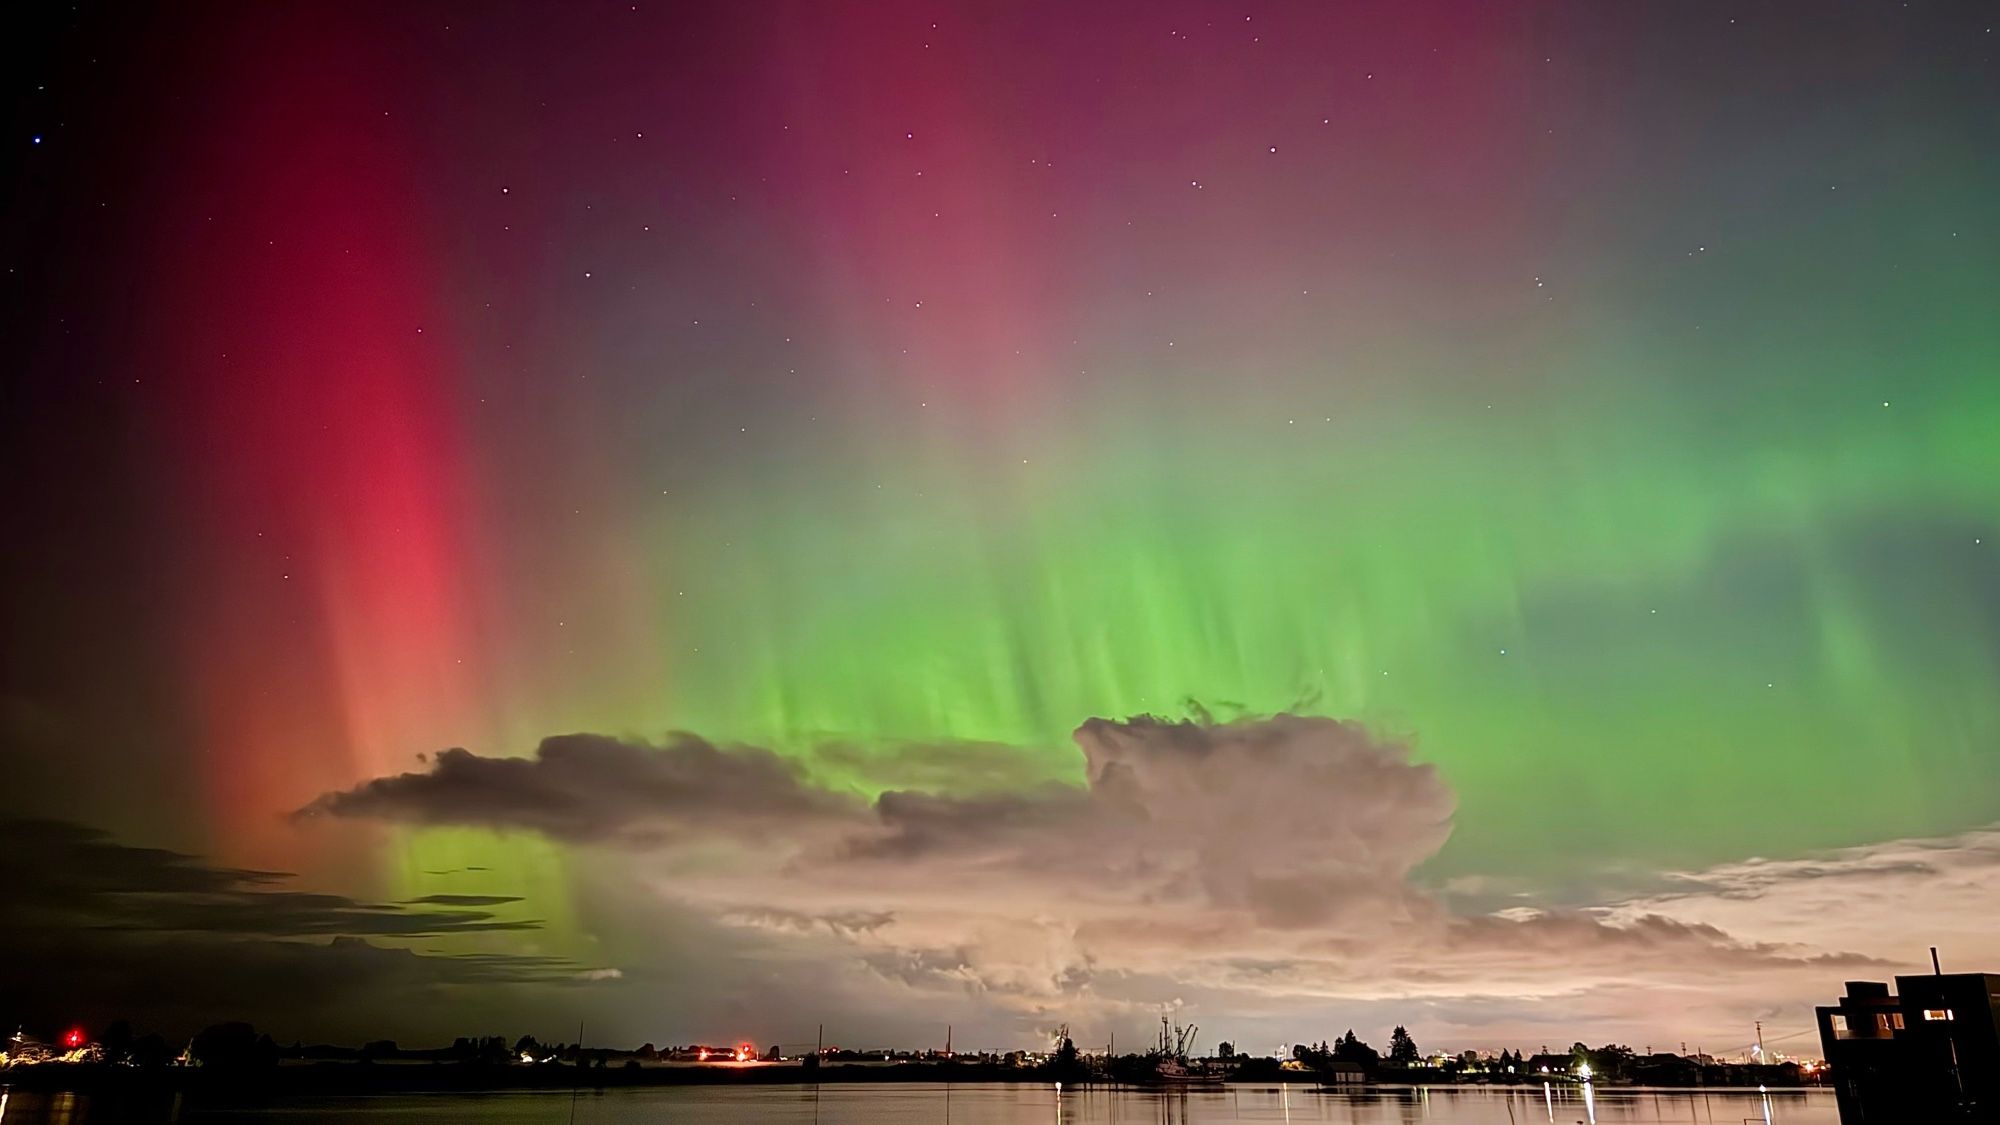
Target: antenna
1935, 971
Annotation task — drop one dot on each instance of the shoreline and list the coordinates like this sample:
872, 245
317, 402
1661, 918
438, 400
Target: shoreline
375, 1079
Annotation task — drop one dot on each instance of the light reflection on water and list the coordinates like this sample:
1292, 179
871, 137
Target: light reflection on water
997, 1104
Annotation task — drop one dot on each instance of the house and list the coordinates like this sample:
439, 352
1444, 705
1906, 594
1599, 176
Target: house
1928, 1052
1546, 1065
1336, 1073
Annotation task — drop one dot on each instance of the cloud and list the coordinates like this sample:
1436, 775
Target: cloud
1889, 899
594, 788
90, 927
462, 900
81, 877
1267, 864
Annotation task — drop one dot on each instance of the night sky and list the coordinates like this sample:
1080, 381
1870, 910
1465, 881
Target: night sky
724, 518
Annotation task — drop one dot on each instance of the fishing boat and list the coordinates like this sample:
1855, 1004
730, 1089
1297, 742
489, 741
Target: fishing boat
1173, 1066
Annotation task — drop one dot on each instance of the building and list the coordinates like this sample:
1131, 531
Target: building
1546, 1065
1930, 1052
1342, 1074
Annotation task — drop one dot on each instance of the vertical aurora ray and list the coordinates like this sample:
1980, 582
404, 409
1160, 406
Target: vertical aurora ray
336, 613
327, 621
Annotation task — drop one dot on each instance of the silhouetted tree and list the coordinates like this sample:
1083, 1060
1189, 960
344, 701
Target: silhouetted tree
1613, 1060
117, 1042
1353, 1050
1402, 1048
526, 1045
151, 1051
1225, 1049
487, 1049
1258, 1068
233, 1046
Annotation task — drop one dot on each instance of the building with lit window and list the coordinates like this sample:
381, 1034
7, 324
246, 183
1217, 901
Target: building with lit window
1928, 1052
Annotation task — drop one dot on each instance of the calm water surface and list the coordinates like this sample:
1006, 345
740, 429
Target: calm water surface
1022, 1104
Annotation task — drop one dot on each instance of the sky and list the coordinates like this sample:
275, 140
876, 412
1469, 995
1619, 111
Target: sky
719, 519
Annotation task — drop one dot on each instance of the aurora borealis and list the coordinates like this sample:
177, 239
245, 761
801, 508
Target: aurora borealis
1598, 400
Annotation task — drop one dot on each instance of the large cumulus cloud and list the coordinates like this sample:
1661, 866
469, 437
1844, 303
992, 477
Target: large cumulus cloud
1266, 864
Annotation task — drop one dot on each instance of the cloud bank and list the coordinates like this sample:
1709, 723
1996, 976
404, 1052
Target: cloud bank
1265, 866
92, 929
592, 788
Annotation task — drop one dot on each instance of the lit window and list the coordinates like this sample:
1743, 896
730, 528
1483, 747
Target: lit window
1896, 1021
1937, 1013
1840, 1025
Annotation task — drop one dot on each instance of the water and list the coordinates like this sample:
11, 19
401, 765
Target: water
996, 1104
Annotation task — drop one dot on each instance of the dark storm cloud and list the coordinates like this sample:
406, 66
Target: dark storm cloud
91, 926
73, 876
589, 787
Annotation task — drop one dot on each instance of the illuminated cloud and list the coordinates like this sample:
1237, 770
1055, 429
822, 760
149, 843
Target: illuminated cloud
1268, 865
1889, 899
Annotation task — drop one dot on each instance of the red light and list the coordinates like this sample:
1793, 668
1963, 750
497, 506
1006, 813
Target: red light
73, 1038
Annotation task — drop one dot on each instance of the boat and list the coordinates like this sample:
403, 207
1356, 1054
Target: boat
1173, 1066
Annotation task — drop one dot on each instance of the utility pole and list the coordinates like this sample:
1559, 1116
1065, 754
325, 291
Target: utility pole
580, 1062
1760, 1042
